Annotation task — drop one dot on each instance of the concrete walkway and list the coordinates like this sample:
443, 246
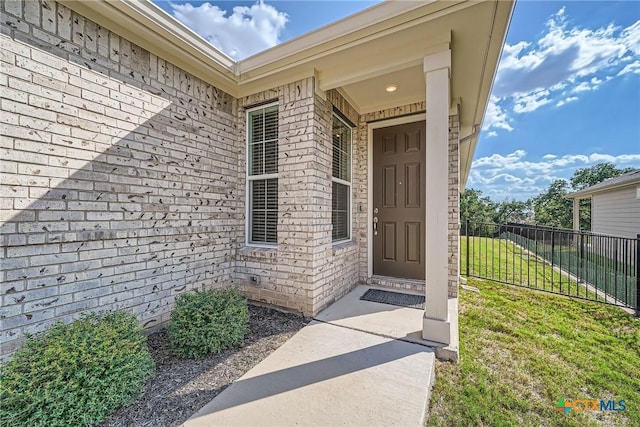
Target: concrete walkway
334, 372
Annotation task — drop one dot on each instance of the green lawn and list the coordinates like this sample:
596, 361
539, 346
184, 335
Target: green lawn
522, 350
614, 274
501, 260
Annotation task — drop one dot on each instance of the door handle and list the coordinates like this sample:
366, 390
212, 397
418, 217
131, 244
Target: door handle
375, 225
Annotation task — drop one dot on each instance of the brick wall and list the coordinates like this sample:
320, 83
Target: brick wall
305, 271
118, 175
286, 271
337, 264
122, 182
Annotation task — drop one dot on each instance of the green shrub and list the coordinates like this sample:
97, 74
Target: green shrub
75, 374
206, 322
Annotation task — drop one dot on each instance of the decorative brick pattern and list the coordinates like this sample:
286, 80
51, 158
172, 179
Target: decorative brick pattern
118, 175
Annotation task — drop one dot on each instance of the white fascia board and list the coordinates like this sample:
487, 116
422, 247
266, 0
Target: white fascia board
358, 75
587, 193
350, 32
334, 31
503, 12
178, 30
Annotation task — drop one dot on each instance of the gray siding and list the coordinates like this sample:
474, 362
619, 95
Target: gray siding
616, 212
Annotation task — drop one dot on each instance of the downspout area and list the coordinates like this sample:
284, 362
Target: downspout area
474, 132
467, 140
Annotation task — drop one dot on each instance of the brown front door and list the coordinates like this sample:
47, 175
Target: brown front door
398, 201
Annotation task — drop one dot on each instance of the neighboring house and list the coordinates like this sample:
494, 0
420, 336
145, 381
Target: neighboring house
139, 162
615, 205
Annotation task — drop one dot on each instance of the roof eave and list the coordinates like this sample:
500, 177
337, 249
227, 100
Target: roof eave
502, 14
588, 193
356, 26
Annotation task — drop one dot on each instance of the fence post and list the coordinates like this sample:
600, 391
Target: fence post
466, 232
581, 268
553, 250
638, 275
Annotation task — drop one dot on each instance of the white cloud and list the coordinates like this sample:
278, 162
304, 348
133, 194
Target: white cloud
582, 87
246, 31
525, 103
514, 176
566, 101
565, 60
495, 118
633, 68
631, 36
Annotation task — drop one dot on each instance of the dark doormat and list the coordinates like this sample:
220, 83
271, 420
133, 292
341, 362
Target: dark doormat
394, 298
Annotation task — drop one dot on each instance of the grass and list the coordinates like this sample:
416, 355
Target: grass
522, 350
502, 260
615, 275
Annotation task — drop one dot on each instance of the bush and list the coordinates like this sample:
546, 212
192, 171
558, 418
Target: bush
75, 374
206, 322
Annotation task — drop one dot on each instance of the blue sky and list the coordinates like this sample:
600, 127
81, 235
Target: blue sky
566, 96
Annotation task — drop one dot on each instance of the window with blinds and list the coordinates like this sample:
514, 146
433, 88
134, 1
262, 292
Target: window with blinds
341, 181
262, 174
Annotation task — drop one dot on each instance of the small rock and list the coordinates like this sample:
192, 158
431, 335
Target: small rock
470, 288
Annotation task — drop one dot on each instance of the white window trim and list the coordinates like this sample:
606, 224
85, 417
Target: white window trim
249, 178
346, 183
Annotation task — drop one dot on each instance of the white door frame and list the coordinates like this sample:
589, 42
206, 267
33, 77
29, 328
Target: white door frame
419, 117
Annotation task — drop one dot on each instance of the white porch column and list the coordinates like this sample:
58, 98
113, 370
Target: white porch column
576, 213
436, 326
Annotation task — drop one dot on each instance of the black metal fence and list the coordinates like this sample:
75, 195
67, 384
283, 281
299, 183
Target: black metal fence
575, 263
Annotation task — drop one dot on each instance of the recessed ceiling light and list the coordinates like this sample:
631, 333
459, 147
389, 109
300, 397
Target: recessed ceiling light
391, 88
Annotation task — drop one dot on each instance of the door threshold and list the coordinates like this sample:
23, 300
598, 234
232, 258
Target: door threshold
411, 285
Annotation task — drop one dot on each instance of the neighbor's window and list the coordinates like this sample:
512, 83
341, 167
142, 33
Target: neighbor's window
262, 174
341, 180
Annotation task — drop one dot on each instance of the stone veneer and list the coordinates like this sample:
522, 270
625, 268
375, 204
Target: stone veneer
122, 182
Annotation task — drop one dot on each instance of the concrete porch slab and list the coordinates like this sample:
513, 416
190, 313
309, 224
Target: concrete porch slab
389, 320
329, 375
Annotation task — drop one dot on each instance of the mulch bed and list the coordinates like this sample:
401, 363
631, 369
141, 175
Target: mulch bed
182, 386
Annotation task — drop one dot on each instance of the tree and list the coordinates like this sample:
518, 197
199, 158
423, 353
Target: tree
552, 208
512, 211
586, 177
477, 209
